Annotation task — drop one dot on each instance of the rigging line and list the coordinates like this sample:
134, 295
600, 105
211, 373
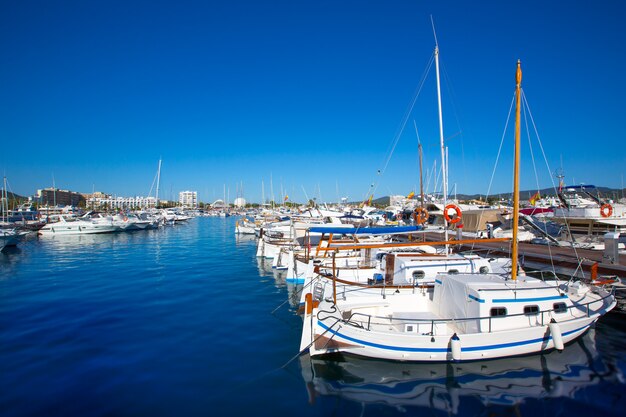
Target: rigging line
493, 173
408, 112
526, 109
532, 120
530, 145
452, 96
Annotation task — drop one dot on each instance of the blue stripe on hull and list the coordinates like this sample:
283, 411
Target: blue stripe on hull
433, 350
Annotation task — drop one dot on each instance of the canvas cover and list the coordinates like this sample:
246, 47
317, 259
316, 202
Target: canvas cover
452, 300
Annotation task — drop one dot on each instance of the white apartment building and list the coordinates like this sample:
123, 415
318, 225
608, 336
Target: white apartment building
122, 203
188, 199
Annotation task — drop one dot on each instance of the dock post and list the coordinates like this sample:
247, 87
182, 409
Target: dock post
611, 245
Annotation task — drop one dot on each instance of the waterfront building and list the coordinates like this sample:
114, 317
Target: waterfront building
240, 202
54, 196
188, 199
107, 202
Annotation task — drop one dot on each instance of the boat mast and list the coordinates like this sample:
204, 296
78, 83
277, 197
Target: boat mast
514, 248
419, 151
444, 176
157, 185
5, 201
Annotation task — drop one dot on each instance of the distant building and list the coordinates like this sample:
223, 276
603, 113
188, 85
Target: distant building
396, 200
56, 197
240, 202
188, 199
103, 201
219, 204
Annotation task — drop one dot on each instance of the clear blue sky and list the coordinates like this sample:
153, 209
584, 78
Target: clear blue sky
309, 93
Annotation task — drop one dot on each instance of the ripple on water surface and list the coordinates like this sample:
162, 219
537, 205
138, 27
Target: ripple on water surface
178, 321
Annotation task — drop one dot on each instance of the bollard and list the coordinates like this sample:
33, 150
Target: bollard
611, 246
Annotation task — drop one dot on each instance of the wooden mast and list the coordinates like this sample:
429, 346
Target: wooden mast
514, 248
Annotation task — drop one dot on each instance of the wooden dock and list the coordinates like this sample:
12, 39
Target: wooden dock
565, 260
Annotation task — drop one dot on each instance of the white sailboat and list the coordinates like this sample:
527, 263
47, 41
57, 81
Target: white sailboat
463, 317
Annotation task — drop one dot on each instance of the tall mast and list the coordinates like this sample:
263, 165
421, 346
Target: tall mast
514, 249
444, 165
158, 184
5, 201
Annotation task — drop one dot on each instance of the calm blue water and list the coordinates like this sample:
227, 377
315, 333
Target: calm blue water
180, 321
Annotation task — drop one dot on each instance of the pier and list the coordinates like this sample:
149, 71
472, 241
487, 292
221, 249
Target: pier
566, 260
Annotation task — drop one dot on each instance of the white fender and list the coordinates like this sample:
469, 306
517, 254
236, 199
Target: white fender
555, 332
291, 273
259, 248
455, 347
307, 324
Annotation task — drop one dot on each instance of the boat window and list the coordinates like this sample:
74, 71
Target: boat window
559, 307
531, 310
453, 271
498, 311
419, 274
484, 270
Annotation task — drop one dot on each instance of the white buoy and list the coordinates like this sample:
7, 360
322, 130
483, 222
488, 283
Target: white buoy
555, 332
455, 347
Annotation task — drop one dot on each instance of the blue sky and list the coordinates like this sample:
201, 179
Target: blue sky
307, 94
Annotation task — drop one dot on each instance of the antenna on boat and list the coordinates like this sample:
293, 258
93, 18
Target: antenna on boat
514, 248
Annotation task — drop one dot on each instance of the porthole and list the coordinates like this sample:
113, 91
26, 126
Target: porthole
559, 307
419, 274
531, 310
484, 270
498, 311
453, 271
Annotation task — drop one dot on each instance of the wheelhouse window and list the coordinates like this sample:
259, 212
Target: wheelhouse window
498, 311
559, 307
419, 274
531, 310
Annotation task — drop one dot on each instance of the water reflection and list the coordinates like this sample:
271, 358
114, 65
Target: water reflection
445, 386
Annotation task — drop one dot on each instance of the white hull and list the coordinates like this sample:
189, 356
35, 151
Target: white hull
453, 322
69, 228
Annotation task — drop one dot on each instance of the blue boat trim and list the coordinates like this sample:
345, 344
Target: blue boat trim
437, 265
476, 298
518, 300
440, 350
524, 300
438, 281
365, 230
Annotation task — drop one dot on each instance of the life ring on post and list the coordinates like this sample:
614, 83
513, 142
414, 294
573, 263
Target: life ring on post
452, 220
606, 210
420, 215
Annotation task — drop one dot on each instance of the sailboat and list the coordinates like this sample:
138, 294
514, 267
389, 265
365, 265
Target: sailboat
463, 317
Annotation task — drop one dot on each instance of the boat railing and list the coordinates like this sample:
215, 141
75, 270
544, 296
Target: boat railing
366, 322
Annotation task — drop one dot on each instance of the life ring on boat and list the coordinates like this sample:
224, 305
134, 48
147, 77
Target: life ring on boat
420, 215
606, 210
452, 220
125, 218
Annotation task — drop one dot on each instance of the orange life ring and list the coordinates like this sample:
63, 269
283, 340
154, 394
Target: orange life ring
420, 215
447, 216
606, 210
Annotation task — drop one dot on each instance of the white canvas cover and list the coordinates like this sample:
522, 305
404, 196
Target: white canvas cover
451, 301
